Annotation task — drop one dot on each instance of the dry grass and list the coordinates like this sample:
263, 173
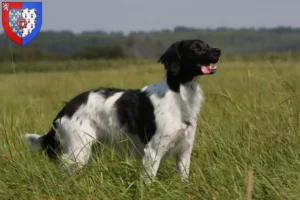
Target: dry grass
250, 119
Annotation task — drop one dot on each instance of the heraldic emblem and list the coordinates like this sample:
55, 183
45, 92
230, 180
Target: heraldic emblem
22, 21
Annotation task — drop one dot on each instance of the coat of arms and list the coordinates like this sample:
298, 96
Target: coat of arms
22, 21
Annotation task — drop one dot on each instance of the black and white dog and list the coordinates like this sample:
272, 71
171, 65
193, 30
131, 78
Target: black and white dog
158, 120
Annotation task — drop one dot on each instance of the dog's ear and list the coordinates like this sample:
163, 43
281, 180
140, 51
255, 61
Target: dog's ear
172, 57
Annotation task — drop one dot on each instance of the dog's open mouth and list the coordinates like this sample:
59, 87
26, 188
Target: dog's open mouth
208, 69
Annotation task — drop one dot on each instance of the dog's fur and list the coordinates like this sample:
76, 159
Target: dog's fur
158, 120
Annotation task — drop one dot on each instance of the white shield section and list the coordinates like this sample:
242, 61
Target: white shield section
30, 16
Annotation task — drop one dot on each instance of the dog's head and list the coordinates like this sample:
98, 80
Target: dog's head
189, 58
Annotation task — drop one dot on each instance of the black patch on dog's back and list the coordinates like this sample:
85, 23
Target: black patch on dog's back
71, 107
136, 112
108, 92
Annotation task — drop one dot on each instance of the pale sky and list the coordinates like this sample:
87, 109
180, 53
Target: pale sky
128, 15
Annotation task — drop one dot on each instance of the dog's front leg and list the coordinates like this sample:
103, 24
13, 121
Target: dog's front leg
183, 158
151, 161
183, 161
153, 153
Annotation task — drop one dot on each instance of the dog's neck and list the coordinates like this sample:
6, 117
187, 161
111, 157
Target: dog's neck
176, 82
190, 97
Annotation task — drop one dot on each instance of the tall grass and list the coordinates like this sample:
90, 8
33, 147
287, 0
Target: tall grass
247, 143
70, 65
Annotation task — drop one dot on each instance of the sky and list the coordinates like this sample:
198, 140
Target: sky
136, 15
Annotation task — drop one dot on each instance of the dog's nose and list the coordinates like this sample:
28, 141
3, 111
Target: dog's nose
217, 51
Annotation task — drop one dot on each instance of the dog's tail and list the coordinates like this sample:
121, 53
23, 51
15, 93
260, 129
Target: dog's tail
48, 143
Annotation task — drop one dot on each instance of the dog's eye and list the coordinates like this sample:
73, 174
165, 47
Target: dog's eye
197, 48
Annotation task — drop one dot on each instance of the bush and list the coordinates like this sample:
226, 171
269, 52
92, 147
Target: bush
110, 52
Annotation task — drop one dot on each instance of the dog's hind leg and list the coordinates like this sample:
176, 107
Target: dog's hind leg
77, 141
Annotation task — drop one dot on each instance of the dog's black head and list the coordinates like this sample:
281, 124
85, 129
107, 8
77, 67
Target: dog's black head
187, 59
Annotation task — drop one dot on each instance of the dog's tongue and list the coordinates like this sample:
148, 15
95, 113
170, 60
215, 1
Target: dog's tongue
206, 69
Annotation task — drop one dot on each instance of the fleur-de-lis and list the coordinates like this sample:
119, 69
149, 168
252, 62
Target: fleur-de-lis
14, 19
18, 13
5, 6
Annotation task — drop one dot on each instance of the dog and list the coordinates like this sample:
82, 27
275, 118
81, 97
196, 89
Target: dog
159, 120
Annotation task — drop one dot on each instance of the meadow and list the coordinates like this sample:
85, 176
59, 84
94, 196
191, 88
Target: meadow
247, 143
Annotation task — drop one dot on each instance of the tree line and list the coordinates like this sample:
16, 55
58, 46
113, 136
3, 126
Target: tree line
62, 45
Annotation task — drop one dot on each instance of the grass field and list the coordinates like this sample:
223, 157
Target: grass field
248, 134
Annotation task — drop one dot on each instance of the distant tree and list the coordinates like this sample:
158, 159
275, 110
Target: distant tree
141, 44
100, 52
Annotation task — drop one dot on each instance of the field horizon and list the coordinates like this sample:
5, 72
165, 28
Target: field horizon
247, 135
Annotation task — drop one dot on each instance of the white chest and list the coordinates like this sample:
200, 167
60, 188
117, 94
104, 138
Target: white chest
175, 113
